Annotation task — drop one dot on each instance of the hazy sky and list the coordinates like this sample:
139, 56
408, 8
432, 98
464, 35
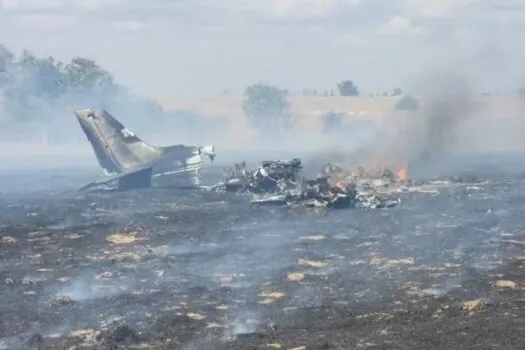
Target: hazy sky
202, 47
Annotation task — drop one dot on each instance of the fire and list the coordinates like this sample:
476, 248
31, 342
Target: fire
341, 185
402, 175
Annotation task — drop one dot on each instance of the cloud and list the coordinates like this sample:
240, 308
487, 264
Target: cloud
45, 21
399, 26
130, 25
57, 5
304, 9
436, 8
202, 45
31, 5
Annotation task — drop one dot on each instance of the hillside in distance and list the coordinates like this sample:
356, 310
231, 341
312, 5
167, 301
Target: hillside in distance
353, 107
487, 122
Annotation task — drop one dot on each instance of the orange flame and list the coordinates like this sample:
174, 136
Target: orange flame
343, 186
402, 175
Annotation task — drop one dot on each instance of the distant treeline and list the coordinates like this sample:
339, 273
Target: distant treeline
38, 95
348, 88
29, 83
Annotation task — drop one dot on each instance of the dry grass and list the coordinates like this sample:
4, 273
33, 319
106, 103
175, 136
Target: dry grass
231, 107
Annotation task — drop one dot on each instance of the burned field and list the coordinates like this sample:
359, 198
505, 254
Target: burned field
179, 269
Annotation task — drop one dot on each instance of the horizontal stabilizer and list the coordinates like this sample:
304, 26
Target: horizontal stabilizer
132, 179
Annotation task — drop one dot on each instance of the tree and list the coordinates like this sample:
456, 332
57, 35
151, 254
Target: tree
397, 92
267, 109
6, 59
407, 103
34, 87
47, 75
347, 88
521, 92
44, 91
30, 80
84, 75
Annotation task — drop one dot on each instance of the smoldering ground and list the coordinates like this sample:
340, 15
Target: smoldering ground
180, 272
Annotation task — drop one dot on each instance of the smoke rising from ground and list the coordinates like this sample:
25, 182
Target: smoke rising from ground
453, 118
436, 127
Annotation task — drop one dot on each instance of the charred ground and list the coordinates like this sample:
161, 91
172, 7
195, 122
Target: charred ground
179, 269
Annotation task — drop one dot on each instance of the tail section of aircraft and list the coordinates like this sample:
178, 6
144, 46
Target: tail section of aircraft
116, 147
99, 147
131, 161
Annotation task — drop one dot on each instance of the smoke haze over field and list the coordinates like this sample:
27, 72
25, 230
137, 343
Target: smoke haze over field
437, 50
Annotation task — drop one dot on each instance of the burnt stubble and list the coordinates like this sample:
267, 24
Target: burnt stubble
178, 269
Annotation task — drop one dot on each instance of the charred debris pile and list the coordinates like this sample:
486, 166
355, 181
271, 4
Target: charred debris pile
280, 182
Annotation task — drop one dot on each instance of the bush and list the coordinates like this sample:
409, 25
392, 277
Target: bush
347, 88
267, 109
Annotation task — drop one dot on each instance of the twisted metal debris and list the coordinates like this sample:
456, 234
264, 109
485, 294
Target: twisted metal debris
279, 182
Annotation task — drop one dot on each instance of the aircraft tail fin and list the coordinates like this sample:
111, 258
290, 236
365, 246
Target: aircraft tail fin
107, 163
116, 147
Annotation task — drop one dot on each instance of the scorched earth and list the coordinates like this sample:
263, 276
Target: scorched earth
179, 269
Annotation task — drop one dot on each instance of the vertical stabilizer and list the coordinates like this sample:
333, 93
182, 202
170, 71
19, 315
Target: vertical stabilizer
116, 147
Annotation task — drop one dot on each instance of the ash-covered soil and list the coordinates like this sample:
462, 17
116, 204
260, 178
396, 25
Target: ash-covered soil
179, 269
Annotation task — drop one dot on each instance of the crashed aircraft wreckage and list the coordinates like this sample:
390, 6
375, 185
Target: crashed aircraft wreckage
313, 193
279, 183
269, 177
131, 162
